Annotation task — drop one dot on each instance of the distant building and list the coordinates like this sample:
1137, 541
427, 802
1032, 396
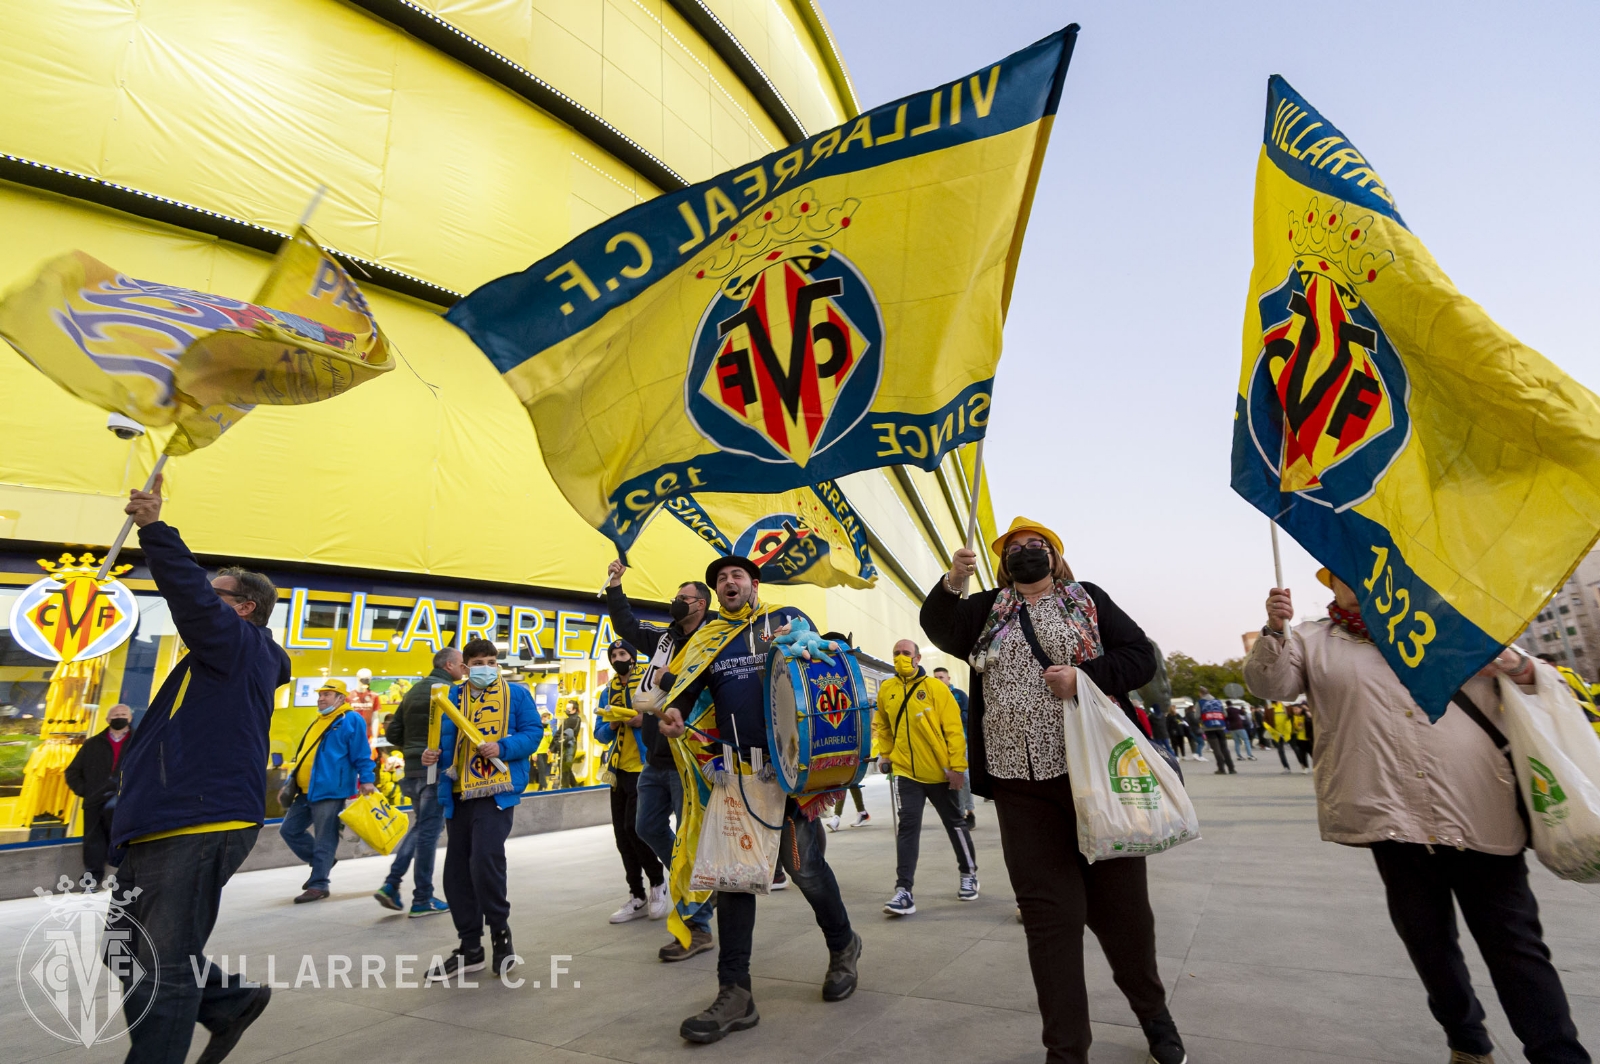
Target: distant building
1576, 611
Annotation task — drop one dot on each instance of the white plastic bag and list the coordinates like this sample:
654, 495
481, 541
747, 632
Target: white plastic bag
737, 852
1129, 800
1557, 756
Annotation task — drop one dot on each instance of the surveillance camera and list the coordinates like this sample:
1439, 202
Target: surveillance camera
124, 428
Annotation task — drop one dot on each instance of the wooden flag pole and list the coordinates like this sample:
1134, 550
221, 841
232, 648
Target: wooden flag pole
1277, 557
127, 526
972, 506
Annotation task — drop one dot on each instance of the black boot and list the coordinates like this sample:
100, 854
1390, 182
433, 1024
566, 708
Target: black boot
734, 1010
1165, 1045
840, 982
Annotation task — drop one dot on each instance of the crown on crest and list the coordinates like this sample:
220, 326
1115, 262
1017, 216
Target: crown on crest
799, 227
69, 901
1331, 240
69, 568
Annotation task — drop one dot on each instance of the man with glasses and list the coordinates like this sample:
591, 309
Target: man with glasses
660, 790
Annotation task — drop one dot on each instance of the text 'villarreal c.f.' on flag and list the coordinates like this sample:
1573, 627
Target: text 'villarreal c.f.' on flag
832, 307
1447, 473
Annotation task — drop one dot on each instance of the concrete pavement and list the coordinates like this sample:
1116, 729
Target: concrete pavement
1275, 947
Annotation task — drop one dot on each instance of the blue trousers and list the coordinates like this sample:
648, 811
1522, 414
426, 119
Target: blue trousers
311, 831
660, 796
421, 842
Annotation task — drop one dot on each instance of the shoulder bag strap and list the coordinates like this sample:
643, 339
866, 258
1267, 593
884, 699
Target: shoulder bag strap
1498, 737
1032, 637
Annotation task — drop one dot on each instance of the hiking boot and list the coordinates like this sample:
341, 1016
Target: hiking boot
505, 958
389, 897
1459, 1057
223, 1041
901, 904
734, 1010
458, 964
840, 982
968, 890
311, 894
1165, 1045
699, 942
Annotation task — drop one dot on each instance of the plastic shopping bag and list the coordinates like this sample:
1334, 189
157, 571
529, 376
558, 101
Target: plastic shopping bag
737, 852
376, 822
1129, 801
1557, 756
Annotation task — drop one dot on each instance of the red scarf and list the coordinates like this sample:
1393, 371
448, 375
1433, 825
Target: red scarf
1349, 620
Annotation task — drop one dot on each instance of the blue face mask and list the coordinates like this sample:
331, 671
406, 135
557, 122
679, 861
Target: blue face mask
481, 676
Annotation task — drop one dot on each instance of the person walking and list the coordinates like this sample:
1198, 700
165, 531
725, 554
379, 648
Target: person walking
1160, 733
918, 735
93, 776
1214, 720
407, 731
1239, 729
1300, 732
1439, 811
192, 798
1197, 735
621, 727
1018, 746
964, 800
331, 762
1275, 726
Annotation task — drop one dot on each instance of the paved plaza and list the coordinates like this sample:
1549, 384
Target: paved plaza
1274, 945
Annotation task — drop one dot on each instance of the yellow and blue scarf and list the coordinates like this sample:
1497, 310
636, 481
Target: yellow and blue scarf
490, 712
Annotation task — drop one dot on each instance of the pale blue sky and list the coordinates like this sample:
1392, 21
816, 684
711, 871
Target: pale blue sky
1114, 402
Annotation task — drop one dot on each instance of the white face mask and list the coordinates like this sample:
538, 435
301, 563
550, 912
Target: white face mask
330, 709
482, 676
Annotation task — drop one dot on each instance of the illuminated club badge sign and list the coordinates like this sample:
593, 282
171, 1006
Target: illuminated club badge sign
69, 615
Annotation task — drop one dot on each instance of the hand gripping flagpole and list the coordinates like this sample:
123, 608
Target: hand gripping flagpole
972, 507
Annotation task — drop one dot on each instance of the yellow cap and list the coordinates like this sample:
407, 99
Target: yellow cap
1325, 577
334, 685
1022, 524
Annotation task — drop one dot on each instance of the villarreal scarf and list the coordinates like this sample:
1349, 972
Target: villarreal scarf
490, 712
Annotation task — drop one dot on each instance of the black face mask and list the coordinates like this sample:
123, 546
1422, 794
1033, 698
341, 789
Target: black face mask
117, 723
622, 667
1028, 565
678, 608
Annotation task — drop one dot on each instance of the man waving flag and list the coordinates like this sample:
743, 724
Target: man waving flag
1447, 473
833, 307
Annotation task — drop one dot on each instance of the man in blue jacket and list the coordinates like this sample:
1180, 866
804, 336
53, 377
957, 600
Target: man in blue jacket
332, 759
193, 796
486, 782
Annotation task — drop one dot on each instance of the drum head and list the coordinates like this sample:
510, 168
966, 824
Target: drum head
782, 712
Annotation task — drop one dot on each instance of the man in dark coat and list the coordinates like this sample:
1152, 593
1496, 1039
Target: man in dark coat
93, 776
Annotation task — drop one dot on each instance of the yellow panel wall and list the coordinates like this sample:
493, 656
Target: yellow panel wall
776, 38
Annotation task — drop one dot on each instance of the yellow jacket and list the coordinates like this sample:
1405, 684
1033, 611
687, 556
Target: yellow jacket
924, 738
1277, 722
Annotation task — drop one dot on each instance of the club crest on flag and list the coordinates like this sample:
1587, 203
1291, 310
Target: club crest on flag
789, 353
1327, 399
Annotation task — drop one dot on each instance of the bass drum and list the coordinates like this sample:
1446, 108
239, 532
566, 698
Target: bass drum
819, 722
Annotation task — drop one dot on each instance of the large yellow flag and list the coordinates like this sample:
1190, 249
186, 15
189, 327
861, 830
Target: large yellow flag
833, 307
1446, 472
164, 355
808, 535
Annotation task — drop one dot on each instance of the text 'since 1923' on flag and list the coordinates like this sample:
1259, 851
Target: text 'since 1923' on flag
1447, 473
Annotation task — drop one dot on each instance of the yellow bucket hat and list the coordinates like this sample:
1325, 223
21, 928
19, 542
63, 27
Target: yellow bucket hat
1022, 524
334, 685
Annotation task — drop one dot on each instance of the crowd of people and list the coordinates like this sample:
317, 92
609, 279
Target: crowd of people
178, 808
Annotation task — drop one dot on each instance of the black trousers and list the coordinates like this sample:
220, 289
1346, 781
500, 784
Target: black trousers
908, 796
1280, 745
638, 860
475, 868
1501, 912
1219, 747
96, 838
1302, 751
1060, 894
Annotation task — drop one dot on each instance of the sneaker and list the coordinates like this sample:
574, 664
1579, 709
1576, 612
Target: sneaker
971, 819
1303, 768
659, 904
389, 897
1019, 914
862, 817
901, 904
223, 1040
453, 967
505, 957
734, 1010
699, 942
1165, 1045
831, 822
1458, 1056
840, 981
431, 907
779, 880
1220, 772
968, 890
310, 894
632, 909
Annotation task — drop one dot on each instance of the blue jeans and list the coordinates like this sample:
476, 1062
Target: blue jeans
1241, 737
311, 831
180, 882
660, 796
421, 842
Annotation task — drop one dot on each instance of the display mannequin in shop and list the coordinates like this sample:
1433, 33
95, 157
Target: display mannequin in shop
407, 731
332, 760
624, 756
727, 660
570, 736
660, 787
93, 776
207, 726
479, 789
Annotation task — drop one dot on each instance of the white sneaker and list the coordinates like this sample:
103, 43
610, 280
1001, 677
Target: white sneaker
862, 818
832, 823
632, 909
1304, 769
659, 904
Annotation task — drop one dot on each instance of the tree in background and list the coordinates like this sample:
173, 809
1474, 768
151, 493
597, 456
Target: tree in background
1187, 675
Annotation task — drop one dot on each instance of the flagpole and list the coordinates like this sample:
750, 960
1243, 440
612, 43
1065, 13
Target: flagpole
127, 526
1277, 558
972, 505
311, 208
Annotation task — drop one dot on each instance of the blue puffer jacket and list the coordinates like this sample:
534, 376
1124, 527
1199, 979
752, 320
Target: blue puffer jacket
344, 758
523, 734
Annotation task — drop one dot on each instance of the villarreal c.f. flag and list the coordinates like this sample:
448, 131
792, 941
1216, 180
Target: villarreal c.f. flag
808, 535
1447, 473
832, 307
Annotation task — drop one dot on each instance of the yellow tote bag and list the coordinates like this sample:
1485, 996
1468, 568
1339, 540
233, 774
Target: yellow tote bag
376, 822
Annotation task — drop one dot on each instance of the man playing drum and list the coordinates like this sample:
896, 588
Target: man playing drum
726, 659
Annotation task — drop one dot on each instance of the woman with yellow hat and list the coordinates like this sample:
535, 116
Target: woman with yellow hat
1025, 641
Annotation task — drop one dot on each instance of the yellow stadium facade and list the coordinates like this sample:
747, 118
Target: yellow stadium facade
458, 142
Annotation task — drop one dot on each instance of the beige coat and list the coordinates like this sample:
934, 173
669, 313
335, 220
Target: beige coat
1381, 770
